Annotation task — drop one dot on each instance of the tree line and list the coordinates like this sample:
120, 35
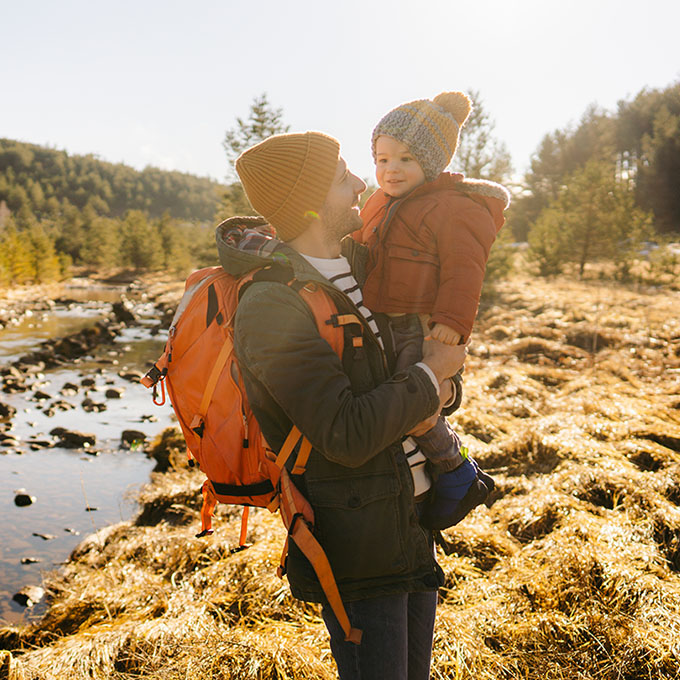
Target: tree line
58, 210
602, 190
595, 192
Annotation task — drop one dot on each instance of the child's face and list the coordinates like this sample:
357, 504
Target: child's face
396, 169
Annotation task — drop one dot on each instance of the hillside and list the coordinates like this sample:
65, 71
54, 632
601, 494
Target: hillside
42, 181
572, 402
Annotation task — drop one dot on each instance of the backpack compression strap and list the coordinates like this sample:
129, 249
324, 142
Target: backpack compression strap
298, 517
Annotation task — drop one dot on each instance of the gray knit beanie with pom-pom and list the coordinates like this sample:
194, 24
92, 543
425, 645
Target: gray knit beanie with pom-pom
429, 128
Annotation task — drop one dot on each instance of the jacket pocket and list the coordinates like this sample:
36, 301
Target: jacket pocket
360, 525
412, 277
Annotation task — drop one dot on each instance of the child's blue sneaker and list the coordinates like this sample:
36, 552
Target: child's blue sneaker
454, 494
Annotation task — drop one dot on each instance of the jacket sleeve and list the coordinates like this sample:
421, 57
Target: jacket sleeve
284, 359
464, 239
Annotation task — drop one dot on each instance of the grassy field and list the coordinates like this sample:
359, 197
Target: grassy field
572, 403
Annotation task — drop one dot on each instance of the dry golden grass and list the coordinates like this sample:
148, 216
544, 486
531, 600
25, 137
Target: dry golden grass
572, 401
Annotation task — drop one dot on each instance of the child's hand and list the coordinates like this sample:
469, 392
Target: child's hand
444, 334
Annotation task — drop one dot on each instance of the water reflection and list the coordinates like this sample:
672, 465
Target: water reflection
66, 482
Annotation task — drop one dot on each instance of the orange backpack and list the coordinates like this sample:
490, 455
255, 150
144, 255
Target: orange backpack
222, 435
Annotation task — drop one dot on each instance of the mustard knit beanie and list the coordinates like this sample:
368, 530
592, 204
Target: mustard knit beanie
287, 177
428, 128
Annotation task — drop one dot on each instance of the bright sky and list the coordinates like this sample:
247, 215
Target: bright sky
151, 82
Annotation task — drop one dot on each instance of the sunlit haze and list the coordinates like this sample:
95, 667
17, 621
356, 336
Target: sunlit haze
159, 83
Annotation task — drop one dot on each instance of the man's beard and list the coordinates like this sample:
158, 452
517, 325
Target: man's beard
338, 223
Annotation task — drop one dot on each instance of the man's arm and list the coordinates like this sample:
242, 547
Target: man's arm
277, 339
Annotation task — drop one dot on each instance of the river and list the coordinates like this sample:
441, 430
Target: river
76, 491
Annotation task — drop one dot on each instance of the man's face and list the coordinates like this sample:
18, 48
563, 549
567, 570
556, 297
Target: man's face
340, 211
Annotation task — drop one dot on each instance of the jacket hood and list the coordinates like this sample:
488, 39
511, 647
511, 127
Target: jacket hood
247, 243
493, 196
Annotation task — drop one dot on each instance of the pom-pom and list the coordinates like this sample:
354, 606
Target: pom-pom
458, 104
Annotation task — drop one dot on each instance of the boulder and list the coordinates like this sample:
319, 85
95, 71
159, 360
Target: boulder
62, 405
29, 595
39, 395
7, 412
130, 438
69, 389
131, 376
23, 499
123, 312
91, 406
169, 450
37, 444
71, 439
115, 393
13, 385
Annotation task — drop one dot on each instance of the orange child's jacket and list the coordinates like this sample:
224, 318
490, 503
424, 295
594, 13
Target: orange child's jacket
428, 251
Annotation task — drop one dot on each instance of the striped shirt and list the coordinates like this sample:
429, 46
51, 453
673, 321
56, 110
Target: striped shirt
338, 272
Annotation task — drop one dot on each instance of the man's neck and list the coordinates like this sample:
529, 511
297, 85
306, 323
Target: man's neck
314, 243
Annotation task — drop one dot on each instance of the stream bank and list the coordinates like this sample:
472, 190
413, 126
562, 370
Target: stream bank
73, 421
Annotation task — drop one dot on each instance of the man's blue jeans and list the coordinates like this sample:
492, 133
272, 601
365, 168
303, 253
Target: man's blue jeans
397, 637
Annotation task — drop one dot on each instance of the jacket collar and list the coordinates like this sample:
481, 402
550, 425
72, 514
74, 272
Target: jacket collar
247, 243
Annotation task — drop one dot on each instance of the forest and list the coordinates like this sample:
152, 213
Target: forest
602, 191
59, 210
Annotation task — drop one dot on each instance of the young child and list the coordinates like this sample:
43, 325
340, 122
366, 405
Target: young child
429, 233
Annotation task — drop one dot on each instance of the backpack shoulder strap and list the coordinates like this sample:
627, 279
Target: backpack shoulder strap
319, 302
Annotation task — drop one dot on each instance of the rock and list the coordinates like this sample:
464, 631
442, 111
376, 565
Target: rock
148, 419
70, 439
38, 395
9, 442
57, 431
45, 537
23, 499
7, 412
37, 444
132, 437
32, 364
62, 405
115, 393
11, 372
29, 560
131, 376
69, 389
91, 406
91, 508
29, 595
88, 382
13, 385
123, 312
69, 530
169, 450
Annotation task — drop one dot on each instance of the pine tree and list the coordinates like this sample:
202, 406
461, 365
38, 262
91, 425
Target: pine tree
479, 154
263, 121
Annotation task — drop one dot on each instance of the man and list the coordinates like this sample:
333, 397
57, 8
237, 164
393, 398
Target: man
352, 410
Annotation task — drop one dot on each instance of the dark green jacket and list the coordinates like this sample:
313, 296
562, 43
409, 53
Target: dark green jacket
354, 413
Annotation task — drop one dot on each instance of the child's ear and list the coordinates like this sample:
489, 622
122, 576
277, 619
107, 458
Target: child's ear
458, 104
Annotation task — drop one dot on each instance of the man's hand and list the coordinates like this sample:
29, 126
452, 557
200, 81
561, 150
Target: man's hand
444, 360
445, 394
